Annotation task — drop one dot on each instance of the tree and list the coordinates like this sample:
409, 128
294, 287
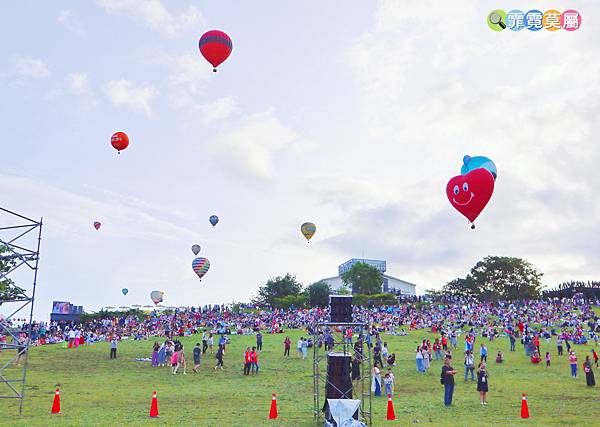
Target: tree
318, 294
8, 290
343, 290
498, 278
278, 287
363, 278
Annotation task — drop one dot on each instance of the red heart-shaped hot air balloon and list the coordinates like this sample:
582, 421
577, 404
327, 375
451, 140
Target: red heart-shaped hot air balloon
215, 46
470, 193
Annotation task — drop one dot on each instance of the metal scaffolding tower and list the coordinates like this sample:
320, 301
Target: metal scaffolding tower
360, 385
20, 239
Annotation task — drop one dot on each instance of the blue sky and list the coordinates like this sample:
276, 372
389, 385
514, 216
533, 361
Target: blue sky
352, 115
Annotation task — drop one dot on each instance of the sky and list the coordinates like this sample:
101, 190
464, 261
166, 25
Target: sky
350, 114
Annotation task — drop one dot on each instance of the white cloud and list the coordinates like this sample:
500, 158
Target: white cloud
31, 67
154, 15
124, 93
78, 84
189, 75
70, 21
219, 109
250, 147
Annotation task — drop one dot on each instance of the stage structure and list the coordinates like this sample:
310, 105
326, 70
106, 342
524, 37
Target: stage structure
341, 368
20, 239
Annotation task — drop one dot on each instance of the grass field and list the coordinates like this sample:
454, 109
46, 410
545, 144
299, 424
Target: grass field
97, 391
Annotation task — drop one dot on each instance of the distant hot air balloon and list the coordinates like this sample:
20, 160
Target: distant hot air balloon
213, 220
125, 291
196, 249
200, 266
97, 225
308, 230
119, 141
156, 296
215, 46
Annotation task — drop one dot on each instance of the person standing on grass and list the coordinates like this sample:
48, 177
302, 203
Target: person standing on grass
573, 363
162, 354
512, 339
254, 360
483, 353
299, 347
204, 341
447, 378
211, 341
376, 384
387, 381
175, 362
247, 361
559, 345
482, 383
469, 365
197, 354
304, 348
259, 338
419, 360
219, 357
589, 374
287, 344
595, 357
181, 360
155, 349
113, 347
547, 359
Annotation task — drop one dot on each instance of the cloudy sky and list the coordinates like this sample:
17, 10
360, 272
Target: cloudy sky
350, 114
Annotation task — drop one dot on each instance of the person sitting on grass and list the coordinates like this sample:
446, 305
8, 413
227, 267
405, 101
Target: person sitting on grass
535, 358
499, 357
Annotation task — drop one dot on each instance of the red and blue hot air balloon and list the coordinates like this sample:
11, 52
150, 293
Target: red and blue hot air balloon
216, 47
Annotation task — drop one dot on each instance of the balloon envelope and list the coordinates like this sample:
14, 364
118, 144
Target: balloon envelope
213, 220
119, 141
470, 193
97, 225
200, 266
125, 291
472, 163
308, 230
215, 46
156, 296
196, 249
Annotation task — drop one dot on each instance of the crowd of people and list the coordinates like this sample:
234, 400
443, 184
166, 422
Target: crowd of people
568, 322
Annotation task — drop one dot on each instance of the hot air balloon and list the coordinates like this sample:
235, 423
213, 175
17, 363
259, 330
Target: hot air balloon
200, 266
125, 291
156, 296
308, 229
472, 163
470, 193
215, 46
213, 220
119, 141
97, 225
196, 249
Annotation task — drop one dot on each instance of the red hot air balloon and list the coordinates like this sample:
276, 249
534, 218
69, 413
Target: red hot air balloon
97, 225
216, 47
119, 141
470, 193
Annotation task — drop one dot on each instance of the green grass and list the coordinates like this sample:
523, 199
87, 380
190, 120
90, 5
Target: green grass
96, 391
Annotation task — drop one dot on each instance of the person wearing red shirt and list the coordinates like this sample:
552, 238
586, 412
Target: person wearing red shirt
247, 361
287, 344
536, 342
254, 360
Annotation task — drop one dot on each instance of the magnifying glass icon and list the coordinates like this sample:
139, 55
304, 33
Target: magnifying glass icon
496, 19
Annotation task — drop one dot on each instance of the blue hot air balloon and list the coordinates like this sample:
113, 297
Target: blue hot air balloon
125, 291
213, 220
476, 162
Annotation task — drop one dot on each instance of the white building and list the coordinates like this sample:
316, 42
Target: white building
390, 284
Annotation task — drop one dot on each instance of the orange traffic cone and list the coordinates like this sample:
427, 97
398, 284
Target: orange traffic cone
391, 414
56, 404
524, 407
154, 406
273, 412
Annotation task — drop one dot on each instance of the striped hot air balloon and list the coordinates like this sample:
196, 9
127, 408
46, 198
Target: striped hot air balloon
200, 266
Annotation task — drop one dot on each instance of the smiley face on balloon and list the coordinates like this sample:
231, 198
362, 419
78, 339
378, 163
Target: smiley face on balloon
470, 193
